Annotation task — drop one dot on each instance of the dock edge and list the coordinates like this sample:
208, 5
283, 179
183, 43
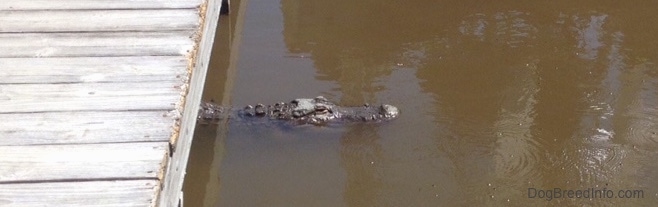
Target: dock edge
170, 194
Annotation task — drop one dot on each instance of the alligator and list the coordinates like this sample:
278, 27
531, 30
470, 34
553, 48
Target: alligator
315, 111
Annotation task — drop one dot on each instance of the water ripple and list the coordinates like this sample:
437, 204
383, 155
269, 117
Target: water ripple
641, 115
643, 129
517, 155
517, 152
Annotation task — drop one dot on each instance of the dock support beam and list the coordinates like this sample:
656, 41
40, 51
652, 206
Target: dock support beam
225, 7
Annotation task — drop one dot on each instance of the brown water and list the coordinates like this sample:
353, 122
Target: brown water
497, 99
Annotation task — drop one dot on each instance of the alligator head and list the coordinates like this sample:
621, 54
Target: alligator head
319, 111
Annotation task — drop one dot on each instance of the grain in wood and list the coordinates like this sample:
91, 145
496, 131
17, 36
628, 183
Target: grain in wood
98, 20
96, 44
81, 162
93, 69
24, 98
127, 193
84, 127
96, 4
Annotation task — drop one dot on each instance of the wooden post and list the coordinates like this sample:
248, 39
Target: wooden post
225, 7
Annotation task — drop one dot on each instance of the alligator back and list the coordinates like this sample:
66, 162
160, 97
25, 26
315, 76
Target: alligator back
316, 111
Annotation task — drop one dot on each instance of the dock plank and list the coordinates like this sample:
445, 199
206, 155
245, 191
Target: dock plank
96, 4
98, 20
129, 193
93, 69
85, 127
96, 44
91, 95
22, 98
40, 163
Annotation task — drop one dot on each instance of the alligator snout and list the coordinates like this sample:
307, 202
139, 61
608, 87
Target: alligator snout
389, 111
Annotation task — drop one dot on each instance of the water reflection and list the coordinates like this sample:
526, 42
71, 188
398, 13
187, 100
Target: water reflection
516, 149
589, 31
496, 98
509, 28
361, 155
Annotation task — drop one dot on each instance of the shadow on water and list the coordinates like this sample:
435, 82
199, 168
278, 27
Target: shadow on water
498, 99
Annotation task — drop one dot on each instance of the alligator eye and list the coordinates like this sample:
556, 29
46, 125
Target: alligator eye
321, 99
322, 109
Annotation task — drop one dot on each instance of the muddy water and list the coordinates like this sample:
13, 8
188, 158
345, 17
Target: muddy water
503, 104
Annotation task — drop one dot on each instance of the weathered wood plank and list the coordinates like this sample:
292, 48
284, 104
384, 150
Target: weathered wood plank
85, 127
93, 69
81, 162
16, 98
96, 4
98, 20
96, 44
176, 167
85, 91
127, 193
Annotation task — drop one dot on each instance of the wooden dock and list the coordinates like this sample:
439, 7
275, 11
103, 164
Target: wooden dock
98, 99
